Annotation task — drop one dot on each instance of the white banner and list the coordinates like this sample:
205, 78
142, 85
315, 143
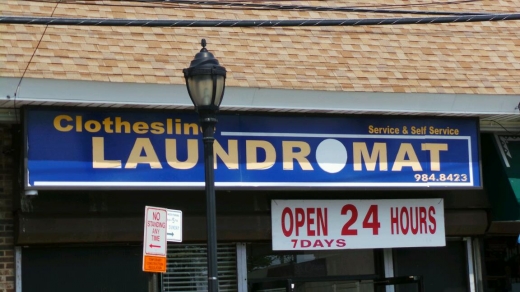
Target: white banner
357, 224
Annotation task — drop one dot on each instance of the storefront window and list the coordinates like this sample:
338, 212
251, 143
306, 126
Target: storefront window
502, 258
443, 269
187, 268
269, 270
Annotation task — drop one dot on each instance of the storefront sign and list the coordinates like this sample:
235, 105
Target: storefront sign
357, 224
69, 148
154, 242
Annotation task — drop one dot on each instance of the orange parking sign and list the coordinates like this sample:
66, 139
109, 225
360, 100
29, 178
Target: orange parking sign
154, 264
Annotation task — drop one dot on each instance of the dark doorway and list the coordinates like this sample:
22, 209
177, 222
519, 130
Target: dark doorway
444, 269
83, 269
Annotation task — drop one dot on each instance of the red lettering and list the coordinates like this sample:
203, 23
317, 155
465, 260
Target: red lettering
394, 220
414, 219
287, 231
340, 243
315, 219
422, 220
346, 228
322, 222
318, 243
300, 219
310, 221
404, 211
305, 243
156, 216
374, 223
431, 217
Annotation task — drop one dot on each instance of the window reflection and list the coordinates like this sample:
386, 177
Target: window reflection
269, 270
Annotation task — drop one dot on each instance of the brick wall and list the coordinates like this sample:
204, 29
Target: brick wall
7, 266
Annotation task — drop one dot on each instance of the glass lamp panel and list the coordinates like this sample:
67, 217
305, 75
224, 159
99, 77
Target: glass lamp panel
201, 89
220, 89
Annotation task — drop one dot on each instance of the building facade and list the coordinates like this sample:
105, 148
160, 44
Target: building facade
310, 202
67, 235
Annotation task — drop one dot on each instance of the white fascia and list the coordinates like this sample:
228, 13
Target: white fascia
115, 94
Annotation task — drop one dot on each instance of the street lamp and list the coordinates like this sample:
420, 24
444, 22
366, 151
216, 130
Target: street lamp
206, 80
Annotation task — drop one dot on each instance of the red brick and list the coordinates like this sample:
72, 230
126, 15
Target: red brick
7, 280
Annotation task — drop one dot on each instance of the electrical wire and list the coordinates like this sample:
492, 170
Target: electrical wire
505, 129
253, 6
314, 8
29, 63
28, 20
242, 2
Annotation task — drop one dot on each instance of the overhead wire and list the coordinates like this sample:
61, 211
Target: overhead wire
429, 3
29, 20
454, 17
504, 128
249, 23
367, 9
253, 6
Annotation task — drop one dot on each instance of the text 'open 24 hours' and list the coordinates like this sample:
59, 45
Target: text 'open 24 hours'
356, 224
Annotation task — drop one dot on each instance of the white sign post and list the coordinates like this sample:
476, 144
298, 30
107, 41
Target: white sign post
154, 242
174, 226
357, 224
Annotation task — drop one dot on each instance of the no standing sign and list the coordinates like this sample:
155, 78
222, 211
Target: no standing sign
154, 242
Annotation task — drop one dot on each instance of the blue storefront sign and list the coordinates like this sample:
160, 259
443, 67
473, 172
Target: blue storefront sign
86, 148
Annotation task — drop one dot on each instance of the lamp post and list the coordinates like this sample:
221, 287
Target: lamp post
206, 80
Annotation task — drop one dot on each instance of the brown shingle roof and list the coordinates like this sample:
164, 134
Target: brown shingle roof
479, 57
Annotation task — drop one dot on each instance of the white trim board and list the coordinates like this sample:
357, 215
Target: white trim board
141, 95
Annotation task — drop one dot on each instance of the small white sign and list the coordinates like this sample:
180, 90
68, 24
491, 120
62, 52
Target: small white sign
155, 231
174, 226
357, 224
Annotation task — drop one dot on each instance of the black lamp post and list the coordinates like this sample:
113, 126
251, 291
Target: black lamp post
206, 80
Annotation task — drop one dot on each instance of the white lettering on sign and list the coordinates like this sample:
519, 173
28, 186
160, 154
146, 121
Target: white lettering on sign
155, 231
351, 224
